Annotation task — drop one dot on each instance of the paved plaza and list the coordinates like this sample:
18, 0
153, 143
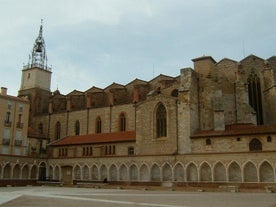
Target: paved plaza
65, 196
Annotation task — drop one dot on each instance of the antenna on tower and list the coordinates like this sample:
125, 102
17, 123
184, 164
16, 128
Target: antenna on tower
153, 72
243, 49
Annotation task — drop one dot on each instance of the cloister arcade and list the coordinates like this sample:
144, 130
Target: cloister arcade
179, 172
191, 172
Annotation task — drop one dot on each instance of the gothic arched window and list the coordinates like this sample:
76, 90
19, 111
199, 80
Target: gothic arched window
58, 129
255, 145
98, 125
161, 121
255, 96
122, 122
77, 127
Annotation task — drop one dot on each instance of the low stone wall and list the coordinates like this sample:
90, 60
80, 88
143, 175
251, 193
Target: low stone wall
4, 183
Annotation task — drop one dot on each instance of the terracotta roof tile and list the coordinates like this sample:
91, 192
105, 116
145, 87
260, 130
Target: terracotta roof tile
237, 129
97, 138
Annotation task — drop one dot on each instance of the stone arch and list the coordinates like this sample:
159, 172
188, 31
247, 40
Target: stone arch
250, 172
16, 172
57, 173
25, 172
34, 172
234, 172
155, 173
133, 172
85, 172
166, 172
51, 173
266, 172
103, 173
205, 172
255, 145
113, 172
219, 172
123, 172
192, 172
7, 171
94, 172
42, 171
144, 173
77, 172
178, 172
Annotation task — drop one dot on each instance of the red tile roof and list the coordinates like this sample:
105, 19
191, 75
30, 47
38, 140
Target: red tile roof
236, 130
129, 136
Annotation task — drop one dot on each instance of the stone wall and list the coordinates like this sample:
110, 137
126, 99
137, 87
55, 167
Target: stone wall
146, 138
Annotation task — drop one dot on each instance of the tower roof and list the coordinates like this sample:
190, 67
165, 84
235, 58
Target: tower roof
38, 58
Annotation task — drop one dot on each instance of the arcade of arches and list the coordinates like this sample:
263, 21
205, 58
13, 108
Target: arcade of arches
233, 171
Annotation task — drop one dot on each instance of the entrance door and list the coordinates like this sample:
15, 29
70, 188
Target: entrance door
67, 174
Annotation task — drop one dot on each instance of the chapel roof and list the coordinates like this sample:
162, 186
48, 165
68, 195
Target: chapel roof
237, 130
128, 136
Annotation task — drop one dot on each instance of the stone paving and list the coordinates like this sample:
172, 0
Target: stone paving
64, 196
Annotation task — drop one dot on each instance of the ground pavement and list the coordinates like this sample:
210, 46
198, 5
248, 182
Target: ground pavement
44, 196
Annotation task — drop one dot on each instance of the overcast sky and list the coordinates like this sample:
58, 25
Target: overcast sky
98, 42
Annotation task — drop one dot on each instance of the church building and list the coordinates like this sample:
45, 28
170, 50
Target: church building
215, 123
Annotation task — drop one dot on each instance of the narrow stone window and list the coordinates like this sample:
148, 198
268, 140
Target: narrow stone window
208, 142
268, 139
161, 121
58, 130
90, 151
255, 96
77, 127
113, 150
130, 150
98, 125
122, 122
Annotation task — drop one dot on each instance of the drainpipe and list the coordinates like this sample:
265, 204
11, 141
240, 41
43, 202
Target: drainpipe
110, 118
67, 123
87, 121
176, 111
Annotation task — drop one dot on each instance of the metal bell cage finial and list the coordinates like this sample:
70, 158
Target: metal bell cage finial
38, 56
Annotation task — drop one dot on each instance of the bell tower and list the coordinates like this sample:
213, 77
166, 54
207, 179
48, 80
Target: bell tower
36, 77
